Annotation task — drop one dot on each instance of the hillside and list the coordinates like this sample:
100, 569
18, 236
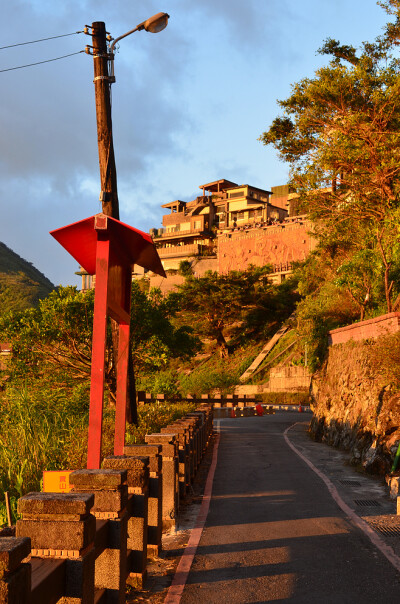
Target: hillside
21, 284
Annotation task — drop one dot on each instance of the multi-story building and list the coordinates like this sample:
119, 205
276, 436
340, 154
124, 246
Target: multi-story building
190, 229
229, 226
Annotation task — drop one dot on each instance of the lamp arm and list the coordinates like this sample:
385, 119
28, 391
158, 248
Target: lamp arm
128, 33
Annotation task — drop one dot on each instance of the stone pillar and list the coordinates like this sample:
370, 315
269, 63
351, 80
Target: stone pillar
110, 507
182, 437
138, 492
60, 525
169, 476
154, 529
15, 576
197, 438
201, 414
190, 425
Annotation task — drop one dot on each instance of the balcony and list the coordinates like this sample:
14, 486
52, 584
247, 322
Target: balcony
178, 251
177, 233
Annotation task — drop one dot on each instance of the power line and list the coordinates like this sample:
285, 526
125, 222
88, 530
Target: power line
41, 40
40, 62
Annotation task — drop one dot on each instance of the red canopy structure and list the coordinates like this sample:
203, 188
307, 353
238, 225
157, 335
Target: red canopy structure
108, 248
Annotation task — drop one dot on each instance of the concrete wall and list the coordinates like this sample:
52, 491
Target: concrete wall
372, 328
200, 266
279, 244
289, 379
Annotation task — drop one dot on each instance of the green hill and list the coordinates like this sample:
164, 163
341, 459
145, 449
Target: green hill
21, 284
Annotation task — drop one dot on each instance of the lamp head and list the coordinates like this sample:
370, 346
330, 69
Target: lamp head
156, 23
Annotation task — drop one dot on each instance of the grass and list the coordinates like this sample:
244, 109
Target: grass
45, 428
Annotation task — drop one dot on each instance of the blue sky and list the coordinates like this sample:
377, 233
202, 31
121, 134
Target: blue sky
189, 104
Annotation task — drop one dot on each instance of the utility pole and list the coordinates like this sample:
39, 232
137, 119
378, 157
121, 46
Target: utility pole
102, 83
108, 172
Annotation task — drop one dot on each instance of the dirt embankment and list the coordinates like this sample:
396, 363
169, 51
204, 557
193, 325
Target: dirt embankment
357, 402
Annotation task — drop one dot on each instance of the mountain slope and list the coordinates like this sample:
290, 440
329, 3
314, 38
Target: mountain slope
21, 284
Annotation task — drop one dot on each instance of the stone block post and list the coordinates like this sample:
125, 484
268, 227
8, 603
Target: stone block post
138, 494
154, 529
60, 525
182, 437
170, 501
15, 576
202, 415
190, 425
194, 417
110, 507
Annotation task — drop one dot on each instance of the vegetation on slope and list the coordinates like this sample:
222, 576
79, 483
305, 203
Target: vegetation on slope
340, 135
21, 284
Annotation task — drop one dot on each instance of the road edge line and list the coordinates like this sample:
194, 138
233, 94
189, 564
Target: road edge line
177, 586
386, 550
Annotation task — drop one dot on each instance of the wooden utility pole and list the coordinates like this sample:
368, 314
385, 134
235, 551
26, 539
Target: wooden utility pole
108, 172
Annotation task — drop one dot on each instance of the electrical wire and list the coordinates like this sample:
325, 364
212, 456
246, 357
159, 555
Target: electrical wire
42, 40
41, 62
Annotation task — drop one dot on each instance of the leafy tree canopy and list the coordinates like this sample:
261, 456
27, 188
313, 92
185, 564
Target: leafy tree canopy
218, 300
340, 134
57, 335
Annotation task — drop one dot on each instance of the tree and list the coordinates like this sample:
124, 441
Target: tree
185, 268
340, 134
56, 337
217, 300
154, 339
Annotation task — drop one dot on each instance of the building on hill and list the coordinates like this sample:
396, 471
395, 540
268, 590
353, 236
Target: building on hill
190, 229
228, 227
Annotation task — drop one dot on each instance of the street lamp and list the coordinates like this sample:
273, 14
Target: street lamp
103, 78
154, 24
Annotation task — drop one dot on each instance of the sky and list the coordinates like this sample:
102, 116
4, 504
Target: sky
188, 105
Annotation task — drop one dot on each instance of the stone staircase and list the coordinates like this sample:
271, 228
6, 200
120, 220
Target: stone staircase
264, 352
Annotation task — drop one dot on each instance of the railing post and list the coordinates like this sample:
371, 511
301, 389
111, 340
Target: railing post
60, 525
190, 425
110, 507
154, 528
138, 495
15, 576
170, 501
181, 433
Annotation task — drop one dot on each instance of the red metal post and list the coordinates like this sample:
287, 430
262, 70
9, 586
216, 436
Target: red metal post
98, 353
122, 399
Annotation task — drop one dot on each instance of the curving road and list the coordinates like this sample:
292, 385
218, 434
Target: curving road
274, 533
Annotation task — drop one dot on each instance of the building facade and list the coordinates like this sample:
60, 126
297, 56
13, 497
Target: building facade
191, 229
228, 227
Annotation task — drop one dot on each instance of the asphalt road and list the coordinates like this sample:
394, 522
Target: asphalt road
274, 533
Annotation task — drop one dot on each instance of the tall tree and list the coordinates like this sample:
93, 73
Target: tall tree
218, 300
340, 134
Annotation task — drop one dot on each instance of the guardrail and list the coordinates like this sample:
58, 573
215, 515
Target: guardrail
86, 545
216, 400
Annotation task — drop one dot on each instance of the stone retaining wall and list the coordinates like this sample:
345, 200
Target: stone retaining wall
355, 408
372, 328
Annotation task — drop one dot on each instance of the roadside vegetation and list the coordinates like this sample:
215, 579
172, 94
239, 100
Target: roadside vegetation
44, 397
339, 133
